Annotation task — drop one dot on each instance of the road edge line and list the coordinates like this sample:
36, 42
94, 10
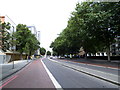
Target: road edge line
56, 84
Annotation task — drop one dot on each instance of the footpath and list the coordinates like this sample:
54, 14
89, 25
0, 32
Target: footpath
7, 69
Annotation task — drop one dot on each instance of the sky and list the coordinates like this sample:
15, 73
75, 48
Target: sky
48, 16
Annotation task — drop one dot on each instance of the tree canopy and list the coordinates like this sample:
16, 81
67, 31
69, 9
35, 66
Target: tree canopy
48, 53
26, 41
93, 26
5, 35
42, 51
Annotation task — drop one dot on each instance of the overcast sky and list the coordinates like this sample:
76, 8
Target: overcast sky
49, 16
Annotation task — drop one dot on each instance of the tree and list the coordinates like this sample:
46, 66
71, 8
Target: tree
32, 45
5, 35
48, 53
102, 24
93, 26
42, 51
21, 36
86, 40
25, 40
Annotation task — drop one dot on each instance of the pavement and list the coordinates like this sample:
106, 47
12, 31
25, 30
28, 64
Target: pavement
96, 73
7, 69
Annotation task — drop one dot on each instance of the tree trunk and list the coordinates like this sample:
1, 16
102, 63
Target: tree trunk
108, 53
21, 57
85, 55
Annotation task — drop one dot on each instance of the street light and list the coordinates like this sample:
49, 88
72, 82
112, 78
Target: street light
13, 47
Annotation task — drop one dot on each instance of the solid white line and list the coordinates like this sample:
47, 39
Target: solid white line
56, 84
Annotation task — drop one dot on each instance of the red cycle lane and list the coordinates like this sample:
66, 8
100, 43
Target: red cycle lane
32, 76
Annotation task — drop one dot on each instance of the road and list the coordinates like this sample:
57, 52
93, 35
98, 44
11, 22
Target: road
69, 78
107, 69
36, 76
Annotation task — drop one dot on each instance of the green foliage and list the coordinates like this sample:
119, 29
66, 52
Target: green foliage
25, 40
21, 35
32, 45
5, 35
48, 53
42, 51
92, 26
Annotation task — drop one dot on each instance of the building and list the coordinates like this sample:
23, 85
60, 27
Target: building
33, 30
2, 19
38, 36
115, 47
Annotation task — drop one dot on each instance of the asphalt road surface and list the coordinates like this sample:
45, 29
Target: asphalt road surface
94, 67
69, 78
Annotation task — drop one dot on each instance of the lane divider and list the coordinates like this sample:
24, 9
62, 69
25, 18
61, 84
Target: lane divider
56, 84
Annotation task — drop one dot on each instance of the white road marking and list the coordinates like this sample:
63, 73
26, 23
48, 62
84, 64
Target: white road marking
56, 84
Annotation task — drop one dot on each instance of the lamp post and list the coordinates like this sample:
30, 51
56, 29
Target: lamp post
13, 47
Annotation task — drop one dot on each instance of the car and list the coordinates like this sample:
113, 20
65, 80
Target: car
61, 57
51, 57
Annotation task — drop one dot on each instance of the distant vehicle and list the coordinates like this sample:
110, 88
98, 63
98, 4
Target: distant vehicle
51, 57
61, 57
